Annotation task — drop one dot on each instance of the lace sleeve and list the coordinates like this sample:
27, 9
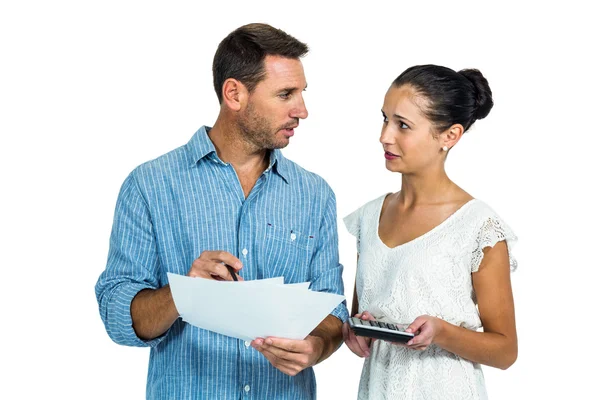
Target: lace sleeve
492, 231
352, 222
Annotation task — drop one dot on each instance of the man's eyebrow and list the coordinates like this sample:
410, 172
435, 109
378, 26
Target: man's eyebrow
292, 89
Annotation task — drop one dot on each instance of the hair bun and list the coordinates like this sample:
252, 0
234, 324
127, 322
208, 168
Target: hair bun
483, 93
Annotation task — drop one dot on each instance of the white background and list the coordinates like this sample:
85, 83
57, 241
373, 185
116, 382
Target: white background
89, 91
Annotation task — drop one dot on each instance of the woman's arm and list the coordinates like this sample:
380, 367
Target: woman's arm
359, 345
354, 302
496, 346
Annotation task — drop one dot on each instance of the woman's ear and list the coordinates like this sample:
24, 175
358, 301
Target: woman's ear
452, 135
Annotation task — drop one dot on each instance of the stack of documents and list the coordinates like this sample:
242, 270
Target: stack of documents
251, 309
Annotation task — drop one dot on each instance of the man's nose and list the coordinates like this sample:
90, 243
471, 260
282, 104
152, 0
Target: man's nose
300, 110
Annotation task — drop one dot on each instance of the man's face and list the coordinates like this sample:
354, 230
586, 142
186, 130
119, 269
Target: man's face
276, 105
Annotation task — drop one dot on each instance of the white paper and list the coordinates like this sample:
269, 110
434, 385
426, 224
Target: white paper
250, 309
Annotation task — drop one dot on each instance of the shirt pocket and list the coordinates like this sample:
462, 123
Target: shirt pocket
288, 253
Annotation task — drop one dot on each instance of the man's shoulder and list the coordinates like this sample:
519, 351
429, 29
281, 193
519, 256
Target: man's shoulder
304, 177
160, 170
167, 163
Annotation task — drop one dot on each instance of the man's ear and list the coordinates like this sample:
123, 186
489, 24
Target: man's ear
235, 94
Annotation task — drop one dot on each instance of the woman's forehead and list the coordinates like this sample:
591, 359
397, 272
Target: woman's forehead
405, 101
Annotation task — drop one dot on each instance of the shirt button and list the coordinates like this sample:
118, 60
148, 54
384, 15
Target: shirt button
247, 343
246, 388
293, 236
245, 252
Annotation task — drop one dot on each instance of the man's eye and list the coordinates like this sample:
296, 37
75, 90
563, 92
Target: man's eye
285, 95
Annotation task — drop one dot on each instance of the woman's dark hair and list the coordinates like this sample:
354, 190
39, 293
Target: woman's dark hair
451, 97
241, 54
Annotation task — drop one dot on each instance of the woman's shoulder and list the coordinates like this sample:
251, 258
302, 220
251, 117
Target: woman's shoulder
483, 220
488, 228
479, 210
371, 205
355, 219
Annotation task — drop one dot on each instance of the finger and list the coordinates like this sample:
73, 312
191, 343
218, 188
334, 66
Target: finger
401, 344
367, 315
218, 270
262, 346
353, 345
416, 324
422, 339
288, 362
350, 339
364, 344
290, 345
283, 366
286, 357
204, 268
225, 257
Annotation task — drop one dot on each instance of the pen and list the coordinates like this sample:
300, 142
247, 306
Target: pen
232, 272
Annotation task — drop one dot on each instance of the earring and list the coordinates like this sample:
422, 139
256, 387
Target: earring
445, 148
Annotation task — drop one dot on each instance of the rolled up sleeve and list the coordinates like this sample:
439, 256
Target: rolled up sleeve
325, 266
131, 267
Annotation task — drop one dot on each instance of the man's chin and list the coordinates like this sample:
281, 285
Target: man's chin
280, 144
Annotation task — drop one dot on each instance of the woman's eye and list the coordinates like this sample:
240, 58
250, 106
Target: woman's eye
403, 125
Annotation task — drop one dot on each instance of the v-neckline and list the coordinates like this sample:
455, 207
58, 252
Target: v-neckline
424, 235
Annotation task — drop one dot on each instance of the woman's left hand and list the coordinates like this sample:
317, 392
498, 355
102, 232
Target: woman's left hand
425, 328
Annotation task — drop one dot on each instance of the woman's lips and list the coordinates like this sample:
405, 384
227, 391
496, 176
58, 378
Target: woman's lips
390, 156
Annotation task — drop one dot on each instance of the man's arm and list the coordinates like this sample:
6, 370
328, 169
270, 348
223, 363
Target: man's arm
329, 331
153, 312
131, 272
292, 356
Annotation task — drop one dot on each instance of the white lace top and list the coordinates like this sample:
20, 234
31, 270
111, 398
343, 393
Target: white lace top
430, 275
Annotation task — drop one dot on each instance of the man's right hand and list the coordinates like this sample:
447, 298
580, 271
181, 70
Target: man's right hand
212, 265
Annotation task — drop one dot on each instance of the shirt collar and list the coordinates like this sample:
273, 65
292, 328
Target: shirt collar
279, 164
201, 146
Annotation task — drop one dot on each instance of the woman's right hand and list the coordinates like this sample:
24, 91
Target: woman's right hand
360, 345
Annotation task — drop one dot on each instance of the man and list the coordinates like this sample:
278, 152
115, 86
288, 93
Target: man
227, 198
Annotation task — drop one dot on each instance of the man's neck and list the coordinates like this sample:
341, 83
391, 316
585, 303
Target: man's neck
233, 149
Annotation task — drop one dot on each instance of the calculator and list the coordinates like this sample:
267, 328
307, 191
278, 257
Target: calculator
379, 330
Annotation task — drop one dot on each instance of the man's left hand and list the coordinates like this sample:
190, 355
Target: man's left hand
291, 356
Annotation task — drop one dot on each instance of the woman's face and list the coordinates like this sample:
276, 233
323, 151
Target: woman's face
407, 135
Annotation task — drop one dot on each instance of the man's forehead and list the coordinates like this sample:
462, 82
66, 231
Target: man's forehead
284, 71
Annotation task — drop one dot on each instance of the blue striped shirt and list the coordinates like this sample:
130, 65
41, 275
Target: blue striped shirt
173, 208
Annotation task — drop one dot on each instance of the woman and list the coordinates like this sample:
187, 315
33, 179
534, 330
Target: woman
431, 257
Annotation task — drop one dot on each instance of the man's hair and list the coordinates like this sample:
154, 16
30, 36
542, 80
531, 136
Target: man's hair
242, 53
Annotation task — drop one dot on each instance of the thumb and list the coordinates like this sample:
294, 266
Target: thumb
367, 315
416, 325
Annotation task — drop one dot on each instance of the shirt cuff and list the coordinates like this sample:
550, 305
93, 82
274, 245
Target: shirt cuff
121, 326
341, 312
